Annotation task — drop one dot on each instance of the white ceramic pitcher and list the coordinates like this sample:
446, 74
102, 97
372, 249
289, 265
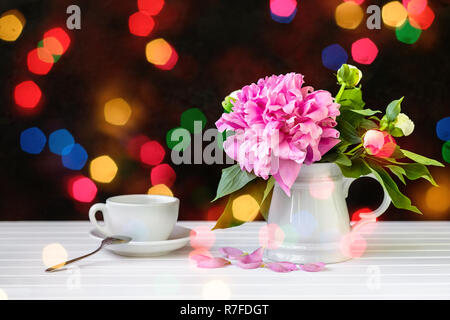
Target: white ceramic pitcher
316, 213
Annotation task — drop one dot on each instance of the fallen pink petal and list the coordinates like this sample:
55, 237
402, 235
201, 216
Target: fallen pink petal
252, 260
313, 267
281, 266
230, 252
212, 263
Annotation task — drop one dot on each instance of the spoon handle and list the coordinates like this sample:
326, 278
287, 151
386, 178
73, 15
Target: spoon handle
62, 264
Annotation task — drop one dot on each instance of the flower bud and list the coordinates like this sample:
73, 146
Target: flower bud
404, 123
349, 75
227, 103
379, 143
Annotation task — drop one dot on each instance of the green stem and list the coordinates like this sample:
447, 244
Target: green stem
354, 149
341, 91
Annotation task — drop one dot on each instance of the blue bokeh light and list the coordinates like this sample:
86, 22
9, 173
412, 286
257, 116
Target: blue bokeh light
281, 19
74, 157
334, 56
443, 129
59, 140
32, 140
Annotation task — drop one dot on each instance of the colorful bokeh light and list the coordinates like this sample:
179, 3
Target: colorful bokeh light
3, 295
355, 1
364, 51
82, 189
415, 6
407, 33
134, 146
38, 61
245, 208
117, 112
180, 144
11, 25
160, 189
323, 190
59, 140
32, 140
163, 174
446, 151
61, 36
271, 236
437, 199
202, 238
283, 11
353, 245
160, 53
74, 157
443, 129
423, 20
334, 56
216, 290
27, 94
190, 117
52, 45
53, 254
103, 169
152, 153
394, 14
348, 15
141, 24
152, 7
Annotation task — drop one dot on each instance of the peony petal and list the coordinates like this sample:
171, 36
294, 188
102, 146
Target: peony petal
281, 266
213, 263
252, 260
250, 265
286, 175
200, 257
313, 267
230, 252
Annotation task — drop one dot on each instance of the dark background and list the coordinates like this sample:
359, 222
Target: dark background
222, 46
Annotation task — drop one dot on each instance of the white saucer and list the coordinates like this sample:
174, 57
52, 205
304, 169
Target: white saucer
177, 239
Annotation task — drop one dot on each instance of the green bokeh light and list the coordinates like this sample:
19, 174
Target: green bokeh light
176, 145
446, 151
190, 116
406, 33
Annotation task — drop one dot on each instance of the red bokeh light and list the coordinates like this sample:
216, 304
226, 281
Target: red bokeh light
171, 62
163, 174
152, 153
82, 189
202, 238
134, 146
355, 1
38, 61
60, 35
353, 245
27, 94
423, 20
364, 51
283, 8
356, 215
140, 24
152, 7
415, 6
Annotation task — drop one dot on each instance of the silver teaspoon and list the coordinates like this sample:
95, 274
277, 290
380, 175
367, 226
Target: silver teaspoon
105, 242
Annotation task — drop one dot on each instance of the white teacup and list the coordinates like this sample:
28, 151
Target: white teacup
142, 217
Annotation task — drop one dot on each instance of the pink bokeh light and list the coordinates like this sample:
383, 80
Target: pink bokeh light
364, 51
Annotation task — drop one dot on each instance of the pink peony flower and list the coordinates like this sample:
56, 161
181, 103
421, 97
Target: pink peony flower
379, 143
278, 126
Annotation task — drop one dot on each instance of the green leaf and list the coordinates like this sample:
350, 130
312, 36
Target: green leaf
269, 187
367, 124
267, 197
393, 109
396, 132
365, 112
399, 200
255, 189
415, 171
232, 179
342, 159
352, 98
357, 169
398, 171
348, 132
421, 159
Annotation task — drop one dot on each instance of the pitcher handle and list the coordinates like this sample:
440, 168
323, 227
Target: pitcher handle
384, 204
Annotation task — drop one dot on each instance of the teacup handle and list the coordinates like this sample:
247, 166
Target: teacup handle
92, 211
384, 204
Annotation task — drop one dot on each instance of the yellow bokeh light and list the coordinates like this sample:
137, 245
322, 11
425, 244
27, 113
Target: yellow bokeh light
158, 51
437, 199
160, 189
103, 169
117, 112
11, 25
348, 15
245, 208
3, 295
53, 254
216, 290
394, 14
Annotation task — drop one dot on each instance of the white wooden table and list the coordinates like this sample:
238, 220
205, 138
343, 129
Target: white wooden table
403, 260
